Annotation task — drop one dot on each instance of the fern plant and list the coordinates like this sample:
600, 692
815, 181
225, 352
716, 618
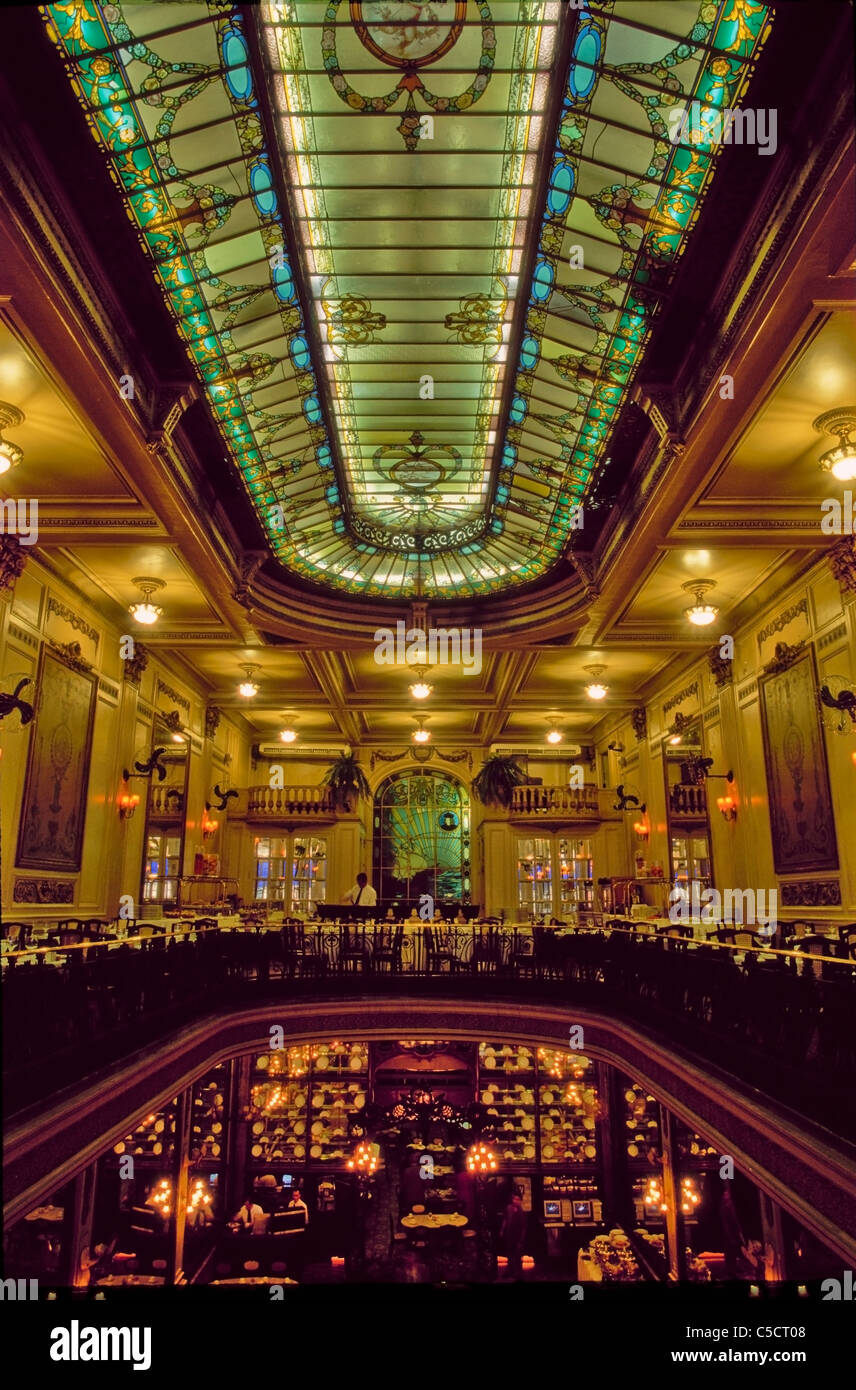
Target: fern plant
346, 780
494, 784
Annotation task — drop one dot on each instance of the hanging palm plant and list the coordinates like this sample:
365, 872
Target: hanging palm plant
494, 785
347, 781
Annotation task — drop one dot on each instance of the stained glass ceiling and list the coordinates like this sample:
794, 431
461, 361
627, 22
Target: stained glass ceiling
414, 250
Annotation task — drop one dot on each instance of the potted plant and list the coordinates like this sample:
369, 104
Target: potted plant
346, 780
494, 784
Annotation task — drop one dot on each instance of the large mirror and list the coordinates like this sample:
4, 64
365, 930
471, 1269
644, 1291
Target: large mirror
166, 805
687, 808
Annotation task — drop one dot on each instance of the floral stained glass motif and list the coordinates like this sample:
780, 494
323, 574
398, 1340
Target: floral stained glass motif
415, 290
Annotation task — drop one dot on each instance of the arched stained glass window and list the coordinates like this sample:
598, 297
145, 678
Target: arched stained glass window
422, 836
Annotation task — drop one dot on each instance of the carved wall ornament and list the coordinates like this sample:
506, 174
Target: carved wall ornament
177, 699
812, 893
250, 563
681, 695
172, 720
43, 890
71, 654
213, 715
639, 720
135, 665
842, 562
13, 557
783, 619
586, 568
721, 667
785, 655
69, 616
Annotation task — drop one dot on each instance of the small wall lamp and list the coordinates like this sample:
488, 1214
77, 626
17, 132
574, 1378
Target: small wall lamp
727, 806
209, 827
128, 803
641, 829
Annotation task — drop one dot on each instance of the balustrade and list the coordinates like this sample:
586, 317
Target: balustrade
289, 801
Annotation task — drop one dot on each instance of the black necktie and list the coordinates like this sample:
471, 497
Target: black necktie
359, 895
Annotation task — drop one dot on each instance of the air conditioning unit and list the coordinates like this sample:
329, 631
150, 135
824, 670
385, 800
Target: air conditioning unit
280, 751
562, 750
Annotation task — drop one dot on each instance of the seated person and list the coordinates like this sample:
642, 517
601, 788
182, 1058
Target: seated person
390, 915
250, 1220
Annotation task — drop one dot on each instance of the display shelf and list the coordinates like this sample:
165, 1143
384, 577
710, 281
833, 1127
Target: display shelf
502, 1057
641, 1122
567, 1114
153, 1139
206, 1124
510, 1110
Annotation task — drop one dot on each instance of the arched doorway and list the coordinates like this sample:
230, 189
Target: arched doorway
422, 836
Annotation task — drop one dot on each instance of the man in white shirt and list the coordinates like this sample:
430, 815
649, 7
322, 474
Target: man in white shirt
251, 1219
362, 894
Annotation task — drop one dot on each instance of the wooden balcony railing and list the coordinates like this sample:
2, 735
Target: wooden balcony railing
557, 803
272, 802
167, 803
688, 800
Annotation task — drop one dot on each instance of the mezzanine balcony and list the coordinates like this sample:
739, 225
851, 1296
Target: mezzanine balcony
562, 804
301, 803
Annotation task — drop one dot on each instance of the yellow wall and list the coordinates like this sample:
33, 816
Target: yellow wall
813, 611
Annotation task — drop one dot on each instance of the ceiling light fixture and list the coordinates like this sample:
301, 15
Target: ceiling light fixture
701, 614
420, 689
146, 612
10, 454
840, 461
554, 735
421, 735
596, 690
248, 688
288, 735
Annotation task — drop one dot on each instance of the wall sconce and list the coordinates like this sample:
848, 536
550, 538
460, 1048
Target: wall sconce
128, 803
209, 827
727, 806
641, 830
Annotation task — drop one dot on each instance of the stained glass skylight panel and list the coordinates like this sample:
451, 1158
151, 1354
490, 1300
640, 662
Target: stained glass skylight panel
415, 355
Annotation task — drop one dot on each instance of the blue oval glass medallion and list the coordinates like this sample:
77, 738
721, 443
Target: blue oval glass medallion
238, 77
586, 54
518, 410
299, 349
561, 188
261, 185
283, 284
530, 351
542, 281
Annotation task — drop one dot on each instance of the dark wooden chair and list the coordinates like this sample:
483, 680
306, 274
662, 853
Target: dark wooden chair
437, 955
488, 951
388, 945
847, 941
354, 949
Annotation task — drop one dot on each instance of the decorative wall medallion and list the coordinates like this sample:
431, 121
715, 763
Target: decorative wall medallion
212, 720
13, 557
842, 562
811, 893
43, 890
639, 720
135, 665
408, 36
720, 666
